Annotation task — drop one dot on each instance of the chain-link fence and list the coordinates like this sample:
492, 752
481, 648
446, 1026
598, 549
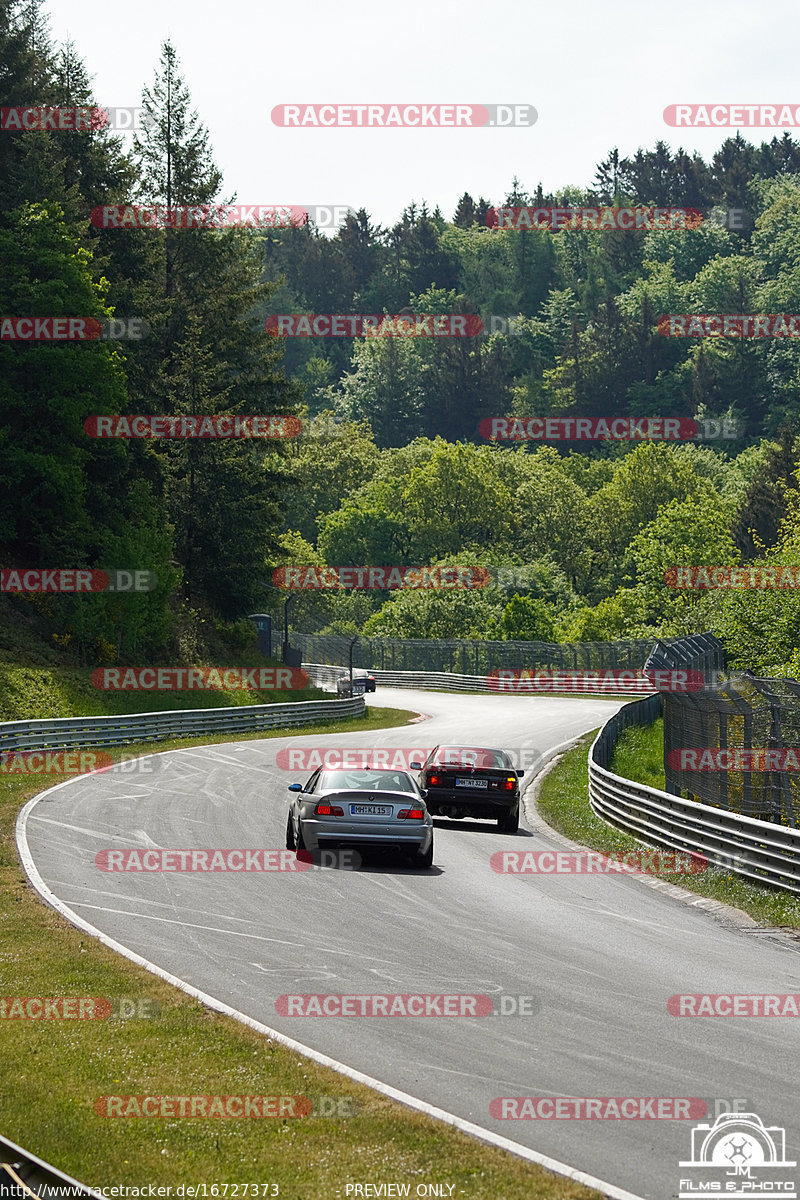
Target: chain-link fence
734, 743
480, 657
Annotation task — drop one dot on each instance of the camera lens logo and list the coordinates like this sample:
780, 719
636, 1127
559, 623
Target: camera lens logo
737, 1155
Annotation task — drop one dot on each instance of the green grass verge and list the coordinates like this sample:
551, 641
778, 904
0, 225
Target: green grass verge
563, 802
33, 693
639, 754
54, 1071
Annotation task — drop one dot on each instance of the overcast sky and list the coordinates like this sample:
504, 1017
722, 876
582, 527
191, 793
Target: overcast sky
599, 74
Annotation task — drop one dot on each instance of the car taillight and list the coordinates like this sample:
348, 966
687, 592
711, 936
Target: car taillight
434, 780
508, 783
329, 810
411, 814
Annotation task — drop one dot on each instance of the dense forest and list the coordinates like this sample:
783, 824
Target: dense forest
392, 466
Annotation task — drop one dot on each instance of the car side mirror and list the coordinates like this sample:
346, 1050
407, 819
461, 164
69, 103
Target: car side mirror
520, 772
415, 766
295, 787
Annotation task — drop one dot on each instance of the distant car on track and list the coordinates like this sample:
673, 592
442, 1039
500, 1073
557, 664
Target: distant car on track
363, 808
471, 781
362, 681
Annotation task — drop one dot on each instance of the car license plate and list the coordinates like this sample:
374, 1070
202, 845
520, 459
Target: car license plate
472, 783
369, 810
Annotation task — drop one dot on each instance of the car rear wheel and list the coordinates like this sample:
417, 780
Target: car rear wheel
290, 840
509, 822
424, 860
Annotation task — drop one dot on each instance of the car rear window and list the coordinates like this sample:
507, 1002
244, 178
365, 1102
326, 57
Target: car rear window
393, 781
469, 756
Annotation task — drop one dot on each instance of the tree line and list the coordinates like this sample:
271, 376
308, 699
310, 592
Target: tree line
393, 468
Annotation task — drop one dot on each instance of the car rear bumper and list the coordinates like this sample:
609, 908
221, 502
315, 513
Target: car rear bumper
471, 804
320, 835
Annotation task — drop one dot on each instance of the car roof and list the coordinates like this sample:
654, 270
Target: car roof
372, 770
480, 749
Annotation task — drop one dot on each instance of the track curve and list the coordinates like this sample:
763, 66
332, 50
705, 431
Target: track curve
599, 954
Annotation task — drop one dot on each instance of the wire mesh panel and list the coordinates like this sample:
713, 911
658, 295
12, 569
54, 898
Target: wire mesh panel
734, 743
473, 657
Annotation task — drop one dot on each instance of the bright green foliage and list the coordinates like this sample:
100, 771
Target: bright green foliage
527, 619
691, 532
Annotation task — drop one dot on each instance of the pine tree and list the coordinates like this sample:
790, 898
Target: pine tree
765, 505
211, 355
466, 214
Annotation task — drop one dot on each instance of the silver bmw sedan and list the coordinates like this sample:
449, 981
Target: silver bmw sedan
372, 807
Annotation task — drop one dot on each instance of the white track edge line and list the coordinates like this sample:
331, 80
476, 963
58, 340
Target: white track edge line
413, 1102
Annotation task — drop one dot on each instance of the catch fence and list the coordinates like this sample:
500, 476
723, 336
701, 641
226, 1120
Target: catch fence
479, 658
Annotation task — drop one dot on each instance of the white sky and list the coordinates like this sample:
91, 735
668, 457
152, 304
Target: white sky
599, 75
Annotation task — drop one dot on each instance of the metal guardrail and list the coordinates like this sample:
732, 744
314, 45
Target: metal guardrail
761, 851
323, 673
64, 732
31, 1176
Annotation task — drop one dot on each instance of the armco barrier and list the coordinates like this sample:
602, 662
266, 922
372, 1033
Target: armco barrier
64, 732
322, 673
758, 850
30, 1176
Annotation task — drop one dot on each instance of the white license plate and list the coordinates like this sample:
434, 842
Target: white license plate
370, 810
473, 783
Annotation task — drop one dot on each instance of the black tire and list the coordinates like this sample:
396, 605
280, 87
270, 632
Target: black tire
424, 861
300, 843
290, 842
509, 822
